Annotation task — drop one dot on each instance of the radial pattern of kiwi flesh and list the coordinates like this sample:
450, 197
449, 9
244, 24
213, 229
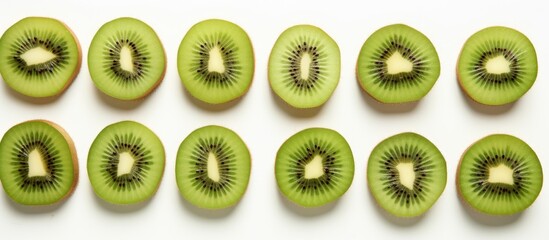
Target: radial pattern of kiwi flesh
426, 173
39, 57
114, 145
208, 186
515, 61
500, 175
336, 168
223, 44
56, 157
126, 59
417, 66
304, 66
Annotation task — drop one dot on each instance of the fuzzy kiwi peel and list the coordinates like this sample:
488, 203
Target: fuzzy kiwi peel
54, 169
45, 60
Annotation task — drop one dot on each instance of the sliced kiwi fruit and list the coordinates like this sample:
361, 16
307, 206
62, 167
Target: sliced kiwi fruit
406, 174
216, 61
126, 163
304, 66
314, 167
397, 64
213, 167
126, 59
499, 175
39, 57
38, 163
497, 65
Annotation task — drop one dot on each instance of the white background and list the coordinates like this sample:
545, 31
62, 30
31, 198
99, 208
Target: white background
445, 116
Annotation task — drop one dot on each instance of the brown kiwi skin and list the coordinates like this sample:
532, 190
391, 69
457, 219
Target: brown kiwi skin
74, 157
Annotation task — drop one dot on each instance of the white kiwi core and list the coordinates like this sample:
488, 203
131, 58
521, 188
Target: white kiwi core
215, 62
406, 174
37, 166
498, 65
397, 64
501, 174
315, 168
37, 55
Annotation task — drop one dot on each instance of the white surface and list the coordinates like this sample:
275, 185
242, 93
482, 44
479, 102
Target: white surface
445, 116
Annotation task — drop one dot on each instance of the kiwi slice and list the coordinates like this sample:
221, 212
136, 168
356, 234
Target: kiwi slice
213, 167
38, 163
126, 59
39, 57
216, 61
304, 66
406, 174
497, 65
126, 163
499, 175
397, 64
314, 167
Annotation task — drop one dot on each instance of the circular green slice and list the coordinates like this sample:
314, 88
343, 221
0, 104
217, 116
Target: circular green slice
304, 66
126, 59
213, 167
314, 167
499, 175
126, 163
406, 174
397, 64
497, 65
38, 163
39, 57
216, 61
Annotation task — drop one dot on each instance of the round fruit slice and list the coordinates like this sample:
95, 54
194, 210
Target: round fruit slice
126, 163
213, 167
38, 163
314, 167
497, 65
397, 64
126, 59
499, 175
304, 66
216, 61
406, 174
39, 57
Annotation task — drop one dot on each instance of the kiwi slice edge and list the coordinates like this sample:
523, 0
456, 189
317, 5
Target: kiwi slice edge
70, 147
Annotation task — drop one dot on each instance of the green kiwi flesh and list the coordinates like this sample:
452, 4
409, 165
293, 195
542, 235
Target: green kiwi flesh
406, 174
39, 57
497, 65
314, 167
126, 59
304, 66
499, 175
38, 163
213, 167
397, 64
126, 163
216, 61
